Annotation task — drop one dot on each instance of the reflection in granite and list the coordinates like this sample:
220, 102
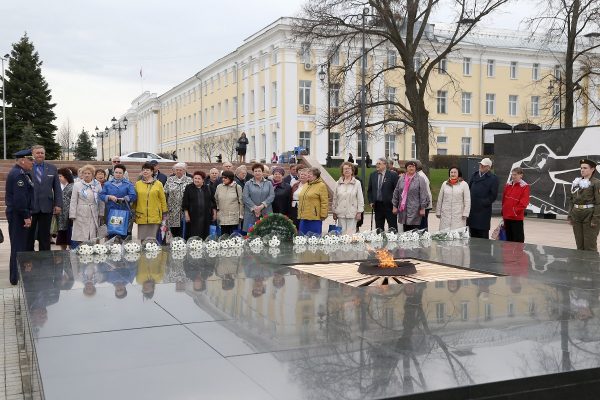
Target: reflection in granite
293, 335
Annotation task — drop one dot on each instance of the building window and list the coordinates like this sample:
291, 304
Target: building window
305, 51
465, 146
443, 66
417, 62
464, 311
212, 115
491, 68
234, 73
413, 148
390, 145
442, 102
334, 144
304, 140
488, 312
219, 112
390, 95
274, 94
274, 57
243, 104
535, 106
442, 139
510, 309
557, 72
263, 101
235, 107
205, 117
225, 78
466, 103
440, 313
226, 110
251, 100
512, 105
334, 95
335, 58
513, 70
304, 93
535, 72
467, 66
391, 58
556, 107
442, 152
490, 103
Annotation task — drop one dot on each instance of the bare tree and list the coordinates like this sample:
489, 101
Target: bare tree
401, 26
207, 149
65, 138
571, 28
228, 144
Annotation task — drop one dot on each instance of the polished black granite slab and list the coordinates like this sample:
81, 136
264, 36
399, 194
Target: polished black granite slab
250, 326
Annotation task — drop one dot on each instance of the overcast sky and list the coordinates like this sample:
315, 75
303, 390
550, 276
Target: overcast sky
93, 50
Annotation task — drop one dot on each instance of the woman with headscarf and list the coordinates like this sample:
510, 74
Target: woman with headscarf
83, 210
199, 206
151, 203
454, 201
258, 196
65, 226
410, 198
282, 203
118, 192
174, 188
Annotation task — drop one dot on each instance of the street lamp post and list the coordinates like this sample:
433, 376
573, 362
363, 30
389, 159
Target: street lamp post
322, 76
116, 125
363, 100
101, 134
5, 58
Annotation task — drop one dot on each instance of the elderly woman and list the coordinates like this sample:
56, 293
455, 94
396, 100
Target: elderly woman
118, 192
296, 189
313, 203
174, 189
241, 175
454, 201
348, 200
230, 207
65, 226
83, 210
410, 198
151, 203
258, 196
199, 206
283, 193
515, 200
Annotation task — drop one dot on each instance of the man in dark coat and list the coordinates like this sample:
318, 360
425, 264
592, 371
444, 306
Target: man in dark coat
47, 199
484, 190
19, 202
380, 191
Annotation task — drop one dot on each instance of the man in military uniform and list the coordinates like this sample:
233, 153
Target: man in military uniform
19, 202
584, 213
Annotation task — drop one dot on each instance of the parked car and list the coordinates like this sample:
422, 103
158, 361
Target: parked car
142, 156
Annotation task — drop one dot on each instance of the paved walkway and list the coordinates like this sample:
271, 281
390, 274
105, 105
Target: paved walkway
14, 377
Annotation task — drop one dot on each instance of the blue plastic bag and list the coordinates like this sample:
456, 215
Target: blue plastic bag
117, 222
335, 228
214, 230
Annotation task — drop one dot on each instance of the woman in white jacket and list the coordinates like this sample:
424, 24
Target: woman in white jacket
454, 201
348, 200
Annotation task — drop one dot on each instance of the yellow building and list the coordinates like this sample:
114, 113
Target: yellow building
270, 88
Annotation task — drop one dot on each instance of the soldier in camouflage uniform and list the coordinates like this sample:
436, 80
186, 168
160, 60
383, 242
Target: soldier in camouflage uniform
584, 213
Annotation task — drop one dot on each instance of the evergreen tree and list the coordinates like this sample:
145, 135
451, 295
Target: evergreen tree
84, 150
28, 101
27, 137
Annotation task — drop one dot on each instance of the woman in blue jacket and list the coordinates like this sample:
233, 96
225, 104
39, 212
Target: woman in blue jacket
118, 191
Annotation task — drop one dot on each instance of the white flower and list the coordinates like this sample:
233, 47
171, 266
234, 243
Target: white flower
195, 245
212, 253
132, 256
98, 258
225, 244
255, 249
151, 254
312, 240
299, 248
178, 245
196, 254
152, 247
256, 243
274, 252
391, 236
321, 241
300, 240
115, 257
212, 245
85, 249
132, 247
115, 248
274, 242
328, 240
178, 255
426, 235
100, 249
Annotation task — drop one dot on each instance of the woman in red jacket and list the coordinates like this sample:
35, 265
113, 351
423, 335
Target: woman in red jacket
515, 200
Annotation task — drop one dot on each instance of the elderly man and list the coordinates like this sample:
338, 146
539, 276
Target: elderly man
47, 199
484, 190
110, 174
214, 180
227, 166
19, 203
380, 191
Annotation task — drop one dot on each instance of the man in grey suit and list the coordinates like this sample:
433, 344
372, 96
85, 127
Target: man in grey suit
47, 199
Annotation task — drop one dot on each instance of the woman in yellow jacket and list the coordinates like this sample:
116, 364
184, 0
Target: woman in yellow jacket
313, 203
151, 203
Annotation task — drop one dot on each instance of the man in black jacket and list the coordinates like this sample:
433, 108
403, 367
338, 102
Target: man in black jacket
484, 190
380, 191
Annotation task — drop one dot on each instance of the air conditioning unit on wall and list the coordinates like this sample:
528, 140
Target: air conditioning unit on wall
306, 108
307, 66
